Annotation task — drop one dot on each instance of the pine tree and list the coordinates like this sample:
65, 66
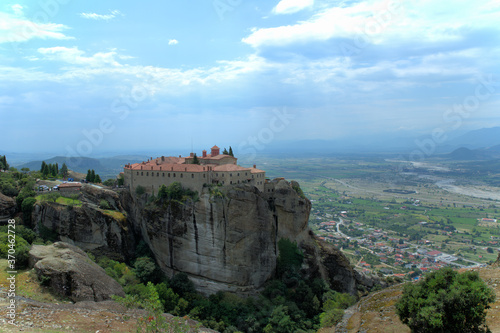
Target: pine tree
43, 166
195, 159
225, 152
3, 163
64, 170
57, 169
92, 176
45, 170
97, 179
89, 175
231, 151
52, 169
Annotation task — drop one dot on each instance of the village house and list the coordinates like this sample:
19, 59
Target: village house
192, 172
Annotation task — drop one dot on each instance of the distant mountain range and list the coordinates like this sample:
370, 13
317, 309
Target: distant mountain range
106, 167
466, 154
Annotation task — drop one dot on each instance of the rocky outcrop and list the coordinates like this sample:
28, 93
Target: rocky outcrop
225, 241
229, 242
87, 226
7, 207
70, 272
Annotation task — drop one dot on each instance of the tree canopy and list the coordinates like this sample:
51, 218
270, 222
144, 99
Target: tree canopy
446, 301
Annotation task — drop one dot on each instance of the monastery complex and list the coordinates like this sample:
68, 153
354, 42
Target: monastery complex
213, 168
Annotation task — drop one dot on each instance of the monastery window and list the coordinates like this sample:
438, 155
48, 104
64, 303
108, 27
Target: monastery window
147, 173
164, 174
222, 182
231, 182
216, 175
142, 173
137, 173
252, 176
246, 173
168, 175
174, 175
238, 174
222, 175
182, 175
192, 175
157, 174
238, 181
204, 175
230, 175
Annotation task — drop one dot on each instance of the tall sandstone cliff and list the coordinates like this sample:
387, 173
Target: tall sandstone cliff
224, 241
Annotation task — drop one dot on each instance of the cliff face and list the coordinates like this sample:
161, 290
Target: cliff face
87, 226
225, 241
229, 242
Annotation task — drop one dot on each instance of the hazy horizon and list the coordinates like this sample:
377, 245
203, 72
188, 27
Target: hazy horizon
83, 79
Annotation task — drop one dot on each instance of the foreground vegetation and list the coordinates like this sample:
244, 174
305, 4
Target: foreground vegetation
446, 301
289, 303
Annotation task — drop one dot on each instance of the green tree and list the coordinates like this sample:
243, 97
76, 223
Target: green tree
3, 163
231, 151
153, 321
53, 196
289, 259
280, 321
195, 159
225, 152
121, 180
27, 209
109, 182
446, 301
64, 171
140, 190
92, 175
42, 167
97, 179
162, 192
89, 176
145, 269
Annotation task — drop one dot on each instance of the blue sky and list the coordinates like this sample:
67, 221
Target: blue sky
87, 77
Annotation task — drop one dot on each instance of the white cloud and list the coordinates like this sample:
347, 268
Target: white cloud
75, 56
173, 42
16, 28
292, 6
18, 9
380, 21
104, 17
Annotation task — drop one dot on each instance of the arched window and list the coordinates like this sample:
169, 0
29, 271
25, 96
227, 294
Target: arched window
192, 175
174, 175
147, 173
182, 175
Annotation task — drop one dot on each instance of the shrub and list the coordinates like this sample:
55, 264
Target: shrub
104, 204
140, 190
144, 268
446, 301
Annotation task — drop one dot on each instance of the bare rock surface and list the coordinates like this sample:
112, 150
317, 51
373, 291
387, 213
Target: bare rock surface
70, 272
7, 207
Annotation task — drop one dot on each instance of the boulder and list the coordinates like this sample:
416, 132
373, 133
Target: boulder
7, 207
70, 272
